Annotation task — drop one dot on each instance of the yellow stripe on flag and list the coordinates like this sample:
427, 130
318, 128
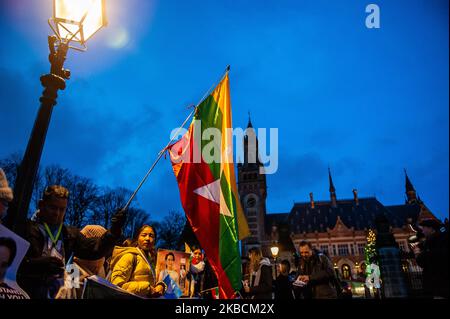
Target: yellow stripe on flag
222, 96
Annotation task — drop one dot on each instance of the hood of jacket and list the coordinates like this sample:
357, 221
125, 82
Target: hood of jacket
119, 251
265, 262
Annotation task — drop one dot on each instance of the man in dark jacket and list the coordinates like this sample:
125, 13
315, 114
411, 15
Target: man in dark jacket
316, 271
52, 244
432, 256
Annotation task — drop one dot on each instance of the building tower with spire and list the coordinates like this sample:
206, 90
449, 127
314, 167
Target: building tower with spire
252, 189
411, 196
332, 190
413, 199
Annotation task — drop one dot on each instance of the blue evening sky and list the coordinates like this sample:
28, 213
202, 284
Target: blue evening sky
366, 102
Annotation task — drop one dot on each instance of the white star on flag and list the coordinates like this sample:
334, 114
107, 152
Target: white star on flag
213, 193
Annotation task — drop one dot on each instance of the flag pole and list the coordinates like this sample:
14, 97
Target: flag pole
160, 154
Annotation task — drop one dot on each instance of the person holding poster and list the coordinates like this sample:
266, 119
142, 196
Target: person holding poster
52, 243
12, 250
133, 267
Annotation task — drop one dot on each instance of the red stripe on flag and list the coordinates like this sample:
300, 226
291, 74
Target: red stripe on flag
203, 214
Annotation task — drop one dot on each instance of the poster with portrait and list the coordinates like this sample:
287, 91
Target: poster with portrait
12, 250
172, 267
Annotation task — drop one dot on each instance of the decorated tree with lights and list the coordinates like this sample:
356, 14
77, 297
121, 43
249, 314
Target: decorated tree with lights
372, 269
370, 251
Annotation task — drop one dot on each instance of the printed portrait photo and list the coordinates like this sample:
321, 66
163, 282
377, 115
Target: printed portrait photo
171, 268
12, 250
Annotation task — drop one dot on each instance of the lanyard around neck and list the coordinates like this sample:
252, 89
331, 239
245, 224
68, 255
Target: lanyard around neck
54, 239
147, 260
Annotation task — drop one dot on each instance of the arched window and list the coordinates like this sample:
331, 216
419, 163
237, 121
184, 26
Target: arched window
346, 273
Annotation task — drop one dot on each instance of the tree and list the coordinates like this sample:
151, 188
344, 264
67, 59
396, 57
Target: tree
107, 204
170, 229
56, 175
82, 197
87, 203
10, 165
136, 218
370, 250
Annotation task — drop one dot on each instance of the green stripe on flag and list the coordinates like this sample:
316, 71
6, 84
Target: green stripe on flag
210, 115
229, 241
229, 251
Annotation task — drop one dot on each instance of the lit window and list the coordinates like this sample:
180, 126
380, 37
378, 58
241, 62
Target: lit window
343, 250
324, 249
361, 249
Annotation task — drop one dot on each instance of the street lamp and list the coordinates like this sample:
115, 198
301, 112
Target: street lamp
73, 22
357, 269
274, 249
336, 270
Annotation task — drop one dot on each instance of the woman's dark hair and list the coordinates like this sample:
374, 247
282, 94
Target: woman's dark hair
142, 229
134, 242
195, 247
170, 254
11, 245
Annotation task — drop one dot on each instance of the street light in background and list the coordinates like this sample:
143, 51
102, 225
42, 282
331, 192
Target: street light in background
336, 269
274, 249
73, 23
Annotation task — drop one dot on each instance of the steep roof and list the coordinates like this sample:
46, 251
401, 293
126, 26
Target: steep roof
284, 232
404, 213
304, 218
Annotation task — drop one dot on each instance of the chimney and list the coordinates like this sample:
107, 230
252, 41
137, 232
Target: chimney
355, 196
311, 198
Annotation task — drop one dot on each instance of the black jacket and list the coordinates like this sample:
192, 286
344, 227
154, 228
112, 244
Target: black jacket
433, 258
283, 288
32, 276
264, 288
322, 278
204, 282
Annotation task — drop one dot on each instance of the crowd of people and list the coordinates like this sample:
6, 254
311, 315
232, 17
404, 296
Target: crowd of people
130, 264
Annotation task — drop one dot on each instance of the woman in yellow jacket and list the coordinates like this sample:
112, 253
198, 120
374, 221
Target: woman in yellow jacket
133, 268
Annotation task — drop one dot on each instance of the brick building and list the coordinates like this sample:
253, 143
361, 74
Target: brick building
338, 227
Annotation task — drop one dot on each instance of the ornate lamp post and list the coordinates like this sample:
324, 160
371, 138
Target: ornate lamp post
73, 22
356, 269
274, 249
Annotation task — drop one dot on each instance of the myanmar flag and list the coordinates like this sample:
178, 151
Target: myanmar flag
202, 161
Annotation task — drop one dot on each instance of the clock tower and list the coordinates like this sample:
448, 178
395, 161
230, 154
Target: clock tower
252, 190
